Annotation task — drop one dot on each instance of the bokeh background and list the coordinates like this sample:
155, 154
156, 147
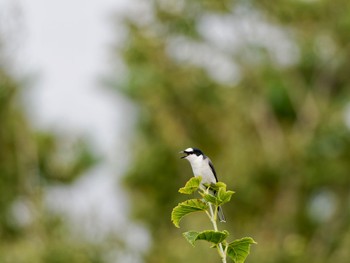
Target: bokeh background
98, 97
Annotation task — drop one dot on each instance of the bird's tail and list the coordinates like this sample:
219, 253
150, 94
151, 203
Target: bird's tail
221, 215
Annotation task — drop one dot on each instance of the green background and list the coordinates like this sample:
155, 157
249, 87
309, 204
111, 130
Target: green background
276, 134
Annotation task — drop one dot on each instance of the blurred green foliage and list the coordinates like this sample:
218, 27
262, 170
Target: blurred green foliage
29, 162
277, 136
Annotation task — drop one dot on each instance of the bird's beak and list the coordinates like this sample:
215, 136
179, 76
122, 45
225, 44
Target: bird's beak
183, 152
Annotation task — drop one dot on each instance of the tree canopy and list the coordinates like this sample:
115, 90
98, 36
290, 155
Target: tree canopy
30, 161
262, 88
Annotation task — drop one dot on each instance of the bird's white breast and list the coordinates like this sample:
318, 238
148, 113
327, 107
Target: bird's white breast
200, 167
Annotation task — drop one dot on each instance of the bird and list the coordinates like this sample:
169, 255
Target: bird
202, 166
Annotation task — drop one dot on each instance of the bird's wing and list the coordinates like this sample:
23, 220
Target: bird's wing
212, 169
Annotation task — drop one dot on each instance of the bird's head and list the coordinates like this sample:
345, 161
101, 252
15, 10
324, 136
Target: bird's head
192, 154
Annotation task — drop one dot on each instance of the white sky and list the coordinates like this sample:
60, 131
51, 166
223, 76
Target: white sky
65, 45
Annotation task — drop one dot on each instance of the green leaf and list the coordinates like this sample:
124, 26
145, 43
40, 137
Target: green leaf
184, 208
191, 186
212, 236
221, 197
239, 249
216, 186
211, 199
224, 196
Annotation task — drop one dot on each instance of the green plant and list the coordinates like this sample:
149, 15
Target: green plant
213, 196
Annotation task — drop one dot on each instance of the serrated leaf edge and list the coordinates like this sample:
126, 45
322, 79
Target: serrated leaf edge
186, 205
193, 236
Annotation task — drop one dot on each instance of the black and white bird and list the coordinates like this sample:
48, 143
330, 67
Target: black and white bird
202, 166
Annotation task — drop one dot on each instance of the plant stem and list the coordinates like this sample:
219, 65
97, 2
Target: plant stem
213, 217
